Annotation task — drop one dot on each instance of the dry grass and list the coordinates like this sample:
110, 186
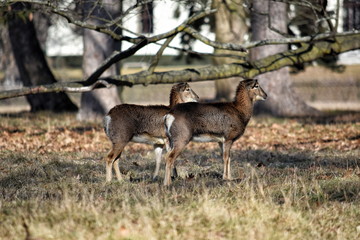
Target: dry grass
295, 179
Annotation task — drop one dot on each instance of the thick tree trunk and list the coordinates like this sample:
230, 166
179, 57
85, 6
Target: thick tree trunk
97, 47
32, 64
282, 100
230, 27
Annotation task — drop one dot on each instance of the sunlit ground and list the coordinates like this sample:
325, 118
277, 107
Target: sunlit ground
293, 179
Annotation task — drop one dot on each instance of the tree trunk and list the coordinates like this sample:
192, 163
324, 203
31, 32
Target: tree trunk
97, 47
8, 65
282, 100
32, 64
42, 23
230, 27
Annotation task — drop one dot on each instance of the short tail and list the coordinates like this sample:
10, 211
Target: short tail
168, 121
106, 124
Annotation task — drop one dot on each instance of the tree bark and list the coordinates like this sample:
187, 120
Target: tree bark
32, 64
230, 27
282, 100
8, 65
97, 47
42, 23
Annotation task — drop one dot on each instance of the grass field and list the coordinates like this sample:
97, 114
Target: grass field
294, 179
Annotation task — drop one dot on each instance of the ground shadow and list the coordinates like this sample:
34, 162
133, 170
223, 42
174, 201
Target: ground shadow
199, 164
38, 179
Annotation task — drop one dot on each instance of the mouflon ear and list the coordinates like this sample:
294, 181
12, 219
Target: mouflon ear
250, 82
179, 86
255, 83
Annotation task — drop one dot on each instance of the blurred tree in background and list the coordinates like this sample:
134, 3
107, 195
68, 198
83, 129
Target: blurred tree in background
98, 47
269, 21
31, 62
230, 27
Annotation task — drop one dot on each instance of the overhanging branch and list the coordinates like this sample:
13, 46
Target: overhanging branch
308, 52
115, 57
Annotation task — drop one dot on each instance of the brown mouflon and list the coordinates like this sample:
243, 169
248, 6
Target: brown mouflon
142, 124
211, 122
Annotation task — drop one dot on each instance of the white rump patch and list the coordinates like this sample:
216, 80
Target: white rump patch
169, 119
107, 121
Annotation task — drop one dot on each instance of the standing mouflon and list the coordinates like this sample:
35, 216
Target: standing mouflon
142, 124
211, 122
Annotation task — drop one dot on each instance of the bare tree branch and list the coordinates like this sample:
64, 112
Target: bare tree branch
306, 39
186, 28
234, 56
74, 87
301, 3
83, 24
115, 57
105, 27
158, 55
126, 12
227, 46
182, 26
313, 47
308, 52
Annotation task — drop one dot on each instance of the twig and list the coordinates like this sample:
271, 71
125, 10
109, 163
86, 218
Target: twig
306, 39
158, 55
218, 45
114, 58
